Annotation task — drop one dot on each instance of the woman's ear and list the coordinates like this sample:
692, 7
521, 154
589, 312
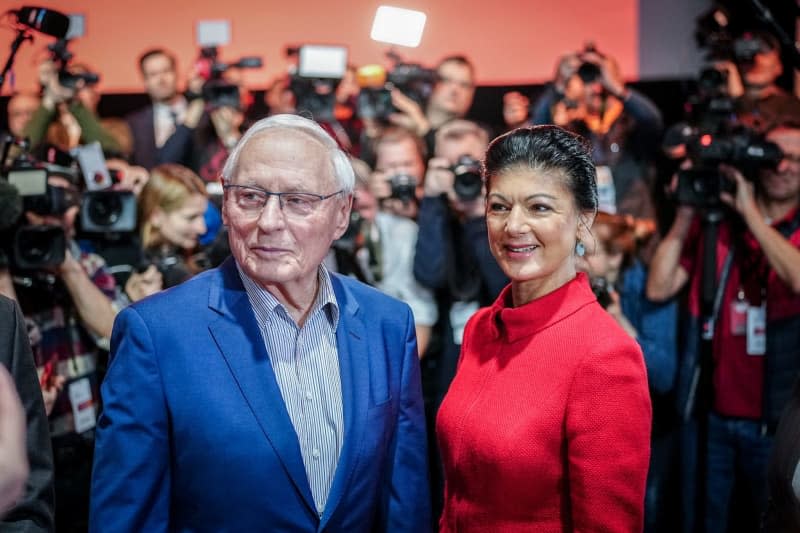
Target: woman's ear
157, 218
585, 221
585, 235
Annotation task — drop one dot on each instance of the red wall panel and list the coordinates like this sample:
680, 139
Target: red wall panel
510, 41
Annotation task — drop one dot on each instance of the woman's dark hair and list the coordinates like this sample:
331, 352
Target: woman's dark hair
547, 148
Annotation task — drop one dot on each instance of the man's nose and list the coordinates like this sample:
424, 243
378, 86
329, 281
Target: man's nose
272, 216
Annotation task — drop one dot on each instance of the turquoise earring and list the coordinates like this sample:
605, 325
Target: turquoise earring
580, 249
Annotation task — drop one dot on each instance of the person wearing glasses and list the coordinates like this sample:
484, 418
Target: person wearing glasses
267, 394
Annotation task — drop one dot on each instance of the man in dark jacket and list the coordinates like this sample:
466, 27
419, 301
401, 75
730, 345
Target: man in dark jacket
34, 512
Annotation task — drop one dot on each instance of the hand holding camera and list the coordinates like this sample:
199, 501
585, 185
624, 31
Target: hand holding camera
409, 115
143, 284
439, 178
227, 123
744, 199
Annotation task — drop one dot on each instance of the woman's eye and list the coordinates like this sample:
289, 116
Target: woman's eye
539, 208
495, 207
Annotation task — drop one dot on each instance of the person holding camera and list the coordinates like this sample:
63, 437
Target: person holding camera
752, 78
391, 239
450, 99
754, 324
164, 131
70, 309
449, 257
63, 118
172, 206
589, 96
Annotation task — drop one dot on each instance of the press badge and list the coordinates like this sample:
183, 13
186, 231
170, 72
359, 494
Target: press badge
757, 330
739, 315
83, 409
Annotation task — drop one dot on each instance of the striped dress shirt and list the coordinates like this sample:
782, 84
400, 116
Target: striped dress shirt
306, 365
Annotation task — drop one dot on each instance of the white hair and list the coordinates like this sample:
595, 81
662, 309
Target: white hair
342, 169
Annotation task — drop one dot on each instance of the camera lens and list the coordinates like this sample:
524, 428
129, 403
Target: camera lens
403, 187
105, 209
39, 246
588, 72
468, 182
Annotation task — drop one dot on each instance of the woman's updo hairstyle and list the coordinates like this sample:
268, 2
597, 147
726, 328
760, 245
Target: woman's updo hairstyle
546, 149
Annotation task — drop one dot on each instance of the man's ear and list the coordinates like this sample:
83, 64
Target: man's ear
224, 206
343, 216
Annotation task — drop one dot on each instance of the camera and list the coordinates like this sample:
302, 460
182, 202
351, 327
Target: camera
404, 187
375, 98
588, 71
468, 181
108, 211
701, 185
34, 247
320, 69
602, 291
68, 77
218, 92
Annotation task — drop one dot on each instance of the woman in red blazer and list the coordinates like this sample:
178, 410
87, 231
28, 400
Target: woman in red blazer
546, 426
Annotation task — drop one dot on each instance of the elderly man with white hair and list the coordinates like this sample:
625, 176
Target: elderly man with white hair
268, 394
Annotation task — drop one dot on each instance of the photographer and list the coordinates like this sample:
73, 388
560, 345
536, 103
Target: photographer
589, 96
762, 104
172, 206
453, 257
450, 99
396, 184
70, 309
62, 118
755, 322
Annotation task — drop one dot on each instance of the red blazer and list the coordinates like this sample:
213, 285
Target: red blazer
546, 426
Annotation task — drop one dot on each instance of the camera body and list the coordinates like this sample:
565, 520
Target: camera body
468, 180
108, 211
411, 79
701, 185
218, 92
67, 77
404, 187
35, 247
602, 291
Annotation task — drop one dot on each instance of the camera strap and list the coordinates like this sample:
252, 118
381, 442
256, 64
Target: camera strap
710, 322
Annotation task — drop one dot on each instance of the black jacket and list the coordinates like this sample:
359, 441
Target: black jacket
35, 511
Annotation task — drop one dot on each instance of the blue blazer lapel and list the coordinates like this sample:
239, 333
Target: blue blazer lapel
237, 335
355, 371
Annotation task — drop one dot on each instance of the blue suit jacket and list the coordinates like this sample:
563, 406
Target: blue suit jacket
194, 435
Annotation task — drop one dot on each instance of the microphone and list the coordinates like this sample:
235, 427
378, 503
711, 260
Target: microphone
10, 205
44, 20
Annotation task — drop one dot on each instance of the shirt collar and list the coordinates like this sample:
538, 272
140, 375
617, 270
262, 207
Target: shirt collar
178, 107
265, 305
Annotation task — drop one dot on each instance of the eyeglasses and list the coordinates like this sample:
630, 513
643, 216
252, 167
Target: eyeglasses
251, 200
